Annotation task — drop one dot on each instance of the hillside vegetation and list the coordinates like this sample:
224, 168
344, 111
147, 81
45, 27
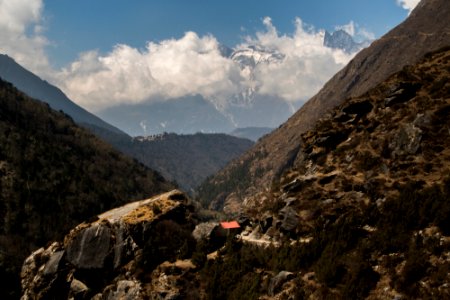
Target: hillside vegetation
54, 175
186, 159
365, 210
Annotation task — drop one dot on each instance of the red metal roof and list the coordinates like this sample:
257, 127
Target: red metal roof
230, 225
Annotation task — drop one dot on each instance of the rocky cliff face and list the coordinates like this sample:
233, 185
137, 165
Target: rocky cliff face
425, 30
366, 200
105, 259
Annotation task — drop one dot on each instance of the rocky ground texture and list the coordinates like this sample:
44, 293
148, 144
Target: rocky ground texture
372, 184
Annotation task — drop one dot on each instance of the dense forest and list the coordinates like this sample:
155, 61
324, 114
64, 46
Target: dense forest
185, 159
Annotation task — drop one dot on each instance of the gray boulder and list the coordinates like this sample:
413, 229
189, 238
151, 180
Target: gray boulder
89, 249
289, 219
277, 281
406, 140
205, 231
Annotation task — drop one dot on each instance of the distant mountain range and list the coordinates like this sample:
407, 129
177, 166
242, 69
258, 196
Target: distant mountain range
192, 114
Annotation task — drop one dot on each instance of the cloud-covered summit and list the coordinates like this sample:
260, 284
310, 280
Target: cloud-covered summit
174, 68
168, 69
194, 65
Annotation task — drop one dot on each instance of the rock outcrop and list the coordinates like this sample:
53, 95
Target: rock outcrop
103, 259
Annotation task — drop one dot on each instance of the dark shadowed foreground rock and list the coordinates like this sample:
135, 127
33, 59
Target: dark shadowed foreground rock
100, 260
90, 248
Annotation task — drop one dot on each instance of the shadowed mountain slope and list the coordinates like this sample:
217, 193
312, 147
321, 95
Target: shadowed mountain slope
41, 90
426, 29
185, 160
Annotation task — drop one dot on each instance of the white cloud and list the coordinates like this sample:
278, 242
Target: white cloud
174, 67
409, 5
193, 65
21, 33
364, 35
169, 69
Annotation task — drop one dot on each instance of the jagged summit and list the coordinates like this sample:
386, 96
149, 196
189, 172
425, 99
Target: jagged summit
252, 55
340, 39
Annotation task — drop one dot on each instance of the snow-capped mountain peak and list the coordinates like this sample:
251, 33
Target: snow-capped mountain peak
251, 56
341, 39
248, 58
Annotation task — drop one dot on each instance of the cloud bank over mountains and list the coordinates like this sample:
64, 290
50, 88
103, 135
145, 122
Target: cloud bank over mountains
194, 65
168, 69
173, 68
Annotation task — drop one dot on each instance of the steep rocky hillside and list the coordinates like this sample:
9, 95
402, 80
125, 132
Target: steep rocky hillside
363, 213
186, 159
53, 175
426, 29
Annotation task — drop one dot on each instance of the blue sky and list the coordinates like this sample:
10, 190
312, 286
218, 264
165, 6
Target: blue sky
76, 26
104, 53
